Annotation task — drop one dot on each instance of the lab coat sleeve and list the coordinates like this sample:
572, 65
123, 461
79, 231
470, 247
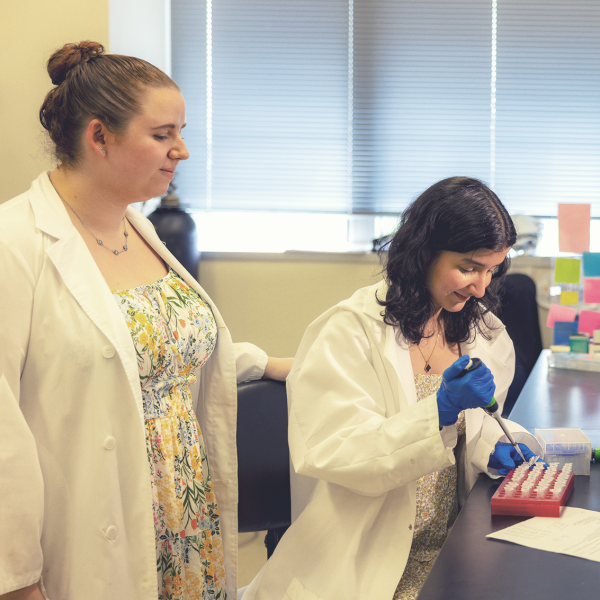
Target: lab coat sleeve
250, 362
342, 428
22, 496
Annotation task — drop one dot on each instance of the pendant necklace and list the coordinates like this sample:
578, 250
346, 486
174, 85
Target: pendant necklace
98, 240
427, 365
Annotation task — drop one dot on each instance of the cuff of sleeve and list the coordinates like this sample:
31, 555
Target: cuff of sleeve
250, 362
449, 436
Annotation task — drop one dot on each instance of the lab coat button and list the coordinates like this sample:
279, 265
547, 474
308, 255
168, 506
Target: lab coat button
111, 532
108, 351
110, 443
410, 527
412, 461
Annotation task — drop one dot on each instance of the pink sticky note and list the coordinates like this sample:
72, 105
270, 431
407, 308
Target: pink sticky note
588, 321
574, 228
558, 312
591, 291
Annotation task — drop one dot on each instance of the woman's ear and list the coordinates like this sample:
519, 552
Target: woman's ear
96, 136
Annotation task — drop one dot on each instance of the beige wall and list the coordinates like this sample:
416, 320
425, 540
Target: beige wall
29, 31
271, 299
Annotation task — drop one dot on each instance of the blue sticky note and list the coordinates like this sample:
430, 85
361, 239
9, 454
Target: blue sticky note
591, 264
562, 331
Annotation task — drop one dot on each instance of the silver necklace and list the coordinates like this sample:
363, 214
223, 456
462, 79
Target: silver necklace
98, 240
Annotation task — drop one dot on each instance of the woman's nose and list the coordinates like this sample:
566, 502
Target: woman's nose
179, 151
478, 286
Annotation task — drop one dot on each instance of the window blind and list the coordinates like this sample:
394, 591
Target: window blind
359, 105
548, 104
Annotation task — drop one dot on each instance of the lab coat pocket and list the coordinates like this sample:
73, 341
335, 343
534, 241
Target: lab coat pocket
297, 591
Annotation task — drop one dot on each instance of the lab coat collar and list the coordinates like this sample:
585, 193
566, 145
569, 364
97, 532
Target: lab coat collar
49, 211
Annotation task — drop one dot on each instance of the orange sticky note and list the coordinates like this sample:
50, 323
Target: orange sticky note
560, 313
574, 228
569, 297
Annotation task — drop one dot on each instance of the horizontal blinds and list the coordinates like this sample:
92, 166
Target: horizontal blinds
548, 104
421, 97
189, 61
358, 105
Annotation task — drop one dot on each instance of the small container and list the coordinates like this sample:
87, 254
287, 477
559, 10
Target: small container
579, 343
566, 445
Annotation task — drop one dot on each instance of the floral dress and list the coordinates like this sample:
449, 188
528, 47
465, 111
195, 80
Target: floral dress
437, 509
174, 334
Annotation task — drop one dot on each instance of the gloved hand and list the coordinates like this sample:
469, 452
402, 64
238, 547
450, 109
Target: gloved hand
474, 390
505, 457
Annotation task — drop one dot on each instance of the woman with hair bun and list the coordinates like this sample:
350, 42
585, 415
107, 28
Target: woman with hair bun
377, 407
117, 373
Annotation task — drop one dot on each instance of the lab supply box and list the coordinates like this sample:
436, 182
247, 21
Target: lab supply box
566, 445
574, 361
534, 493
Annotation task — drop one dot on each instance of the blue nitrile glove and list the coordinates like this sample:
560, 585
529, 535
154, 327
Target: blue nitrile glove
505, 457
474, 390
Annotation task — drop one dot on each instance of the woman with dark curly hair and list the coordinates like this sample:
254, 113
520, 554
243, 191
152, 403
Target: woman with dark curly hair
378, 411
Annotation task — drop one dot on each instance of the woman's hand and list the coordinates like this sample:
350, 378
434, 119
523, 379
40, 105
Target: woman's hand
31, 592
474, 390
505, 457
278, 368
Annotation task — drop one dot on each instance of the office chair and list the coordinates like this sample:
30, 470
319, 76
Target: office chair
519, 313
263, 460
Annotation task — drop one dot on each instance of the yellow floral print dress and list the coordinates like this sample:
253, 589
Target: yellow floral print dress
437, 509
174, 334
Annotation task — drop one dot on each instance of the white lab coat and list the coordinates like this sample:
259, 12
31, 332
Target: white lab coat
359, 441
75, 498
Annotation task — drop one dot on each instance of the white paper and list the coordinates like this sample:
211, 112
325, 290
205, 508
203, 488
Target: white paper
576, 532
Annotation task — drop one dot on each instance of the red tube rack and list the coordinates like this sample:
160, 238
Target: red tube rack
532, 506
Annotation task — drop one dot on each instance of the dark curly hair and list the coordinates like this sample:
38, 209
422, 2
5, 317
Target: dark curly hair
91, 84
458, 214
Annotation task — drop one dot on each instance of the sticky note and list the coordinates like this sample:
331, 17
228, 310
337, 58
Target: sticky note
566, 270
560, 313
591, 264
569, 297
588, 321
574, 228
562, 331
591, 291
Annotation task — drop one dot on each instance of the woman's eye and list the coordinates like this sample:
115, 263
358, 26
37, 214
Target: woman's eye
160, 137
465, 270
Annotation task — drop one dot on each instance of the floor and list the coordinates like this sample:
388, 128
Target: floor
252, 556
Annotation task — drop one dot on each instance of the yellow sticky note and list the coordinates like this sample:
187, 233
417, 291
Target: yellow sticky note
567, 270
569, 297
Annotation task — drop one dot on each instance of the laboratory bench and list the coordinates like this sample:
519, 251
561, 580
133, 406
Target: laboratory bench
472, 567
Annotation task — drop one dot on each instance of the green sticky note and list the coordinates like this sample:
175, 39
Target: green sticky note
567, 270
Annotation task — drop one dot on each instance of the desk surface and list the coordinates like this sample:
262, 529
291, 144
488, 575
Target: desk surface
560, 398
471, 567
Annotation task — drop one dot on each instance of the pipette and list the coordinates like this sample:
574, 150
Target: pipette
492, 408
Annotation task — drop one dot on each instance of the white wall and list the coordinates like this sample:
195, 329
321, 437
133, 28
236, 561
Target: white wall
142, 28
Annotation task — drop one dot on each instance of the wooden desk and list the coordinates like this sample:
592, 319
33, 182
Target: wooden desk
471, 567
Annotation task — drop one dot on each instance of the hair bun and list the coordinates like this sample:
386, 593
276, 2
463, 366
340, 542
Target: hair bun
70, 56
